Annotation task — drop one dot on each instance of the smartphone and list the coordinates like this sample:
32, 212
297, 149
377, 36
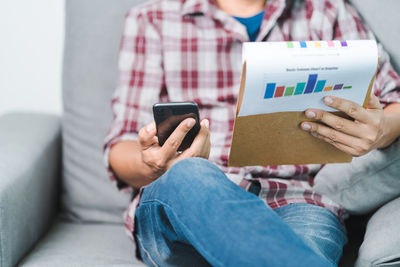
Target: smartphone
169, 115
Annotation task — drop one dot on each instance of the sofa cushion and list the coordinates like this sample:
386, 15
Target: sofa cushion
381, 246
366, 183
76, 244
92, 37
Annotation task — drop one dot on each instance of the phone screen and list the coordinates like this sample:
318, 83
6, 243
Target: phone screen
169, 115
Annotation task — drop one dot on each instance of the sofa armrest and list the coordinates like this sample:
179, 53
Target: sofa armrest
30, 160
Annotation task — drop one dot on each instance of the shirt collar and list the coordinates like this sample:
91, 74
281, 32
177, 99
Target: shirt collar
273, 9
206, 7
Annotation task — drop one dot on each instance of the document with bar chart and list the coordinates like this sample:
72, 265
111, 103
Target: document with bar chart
294, 76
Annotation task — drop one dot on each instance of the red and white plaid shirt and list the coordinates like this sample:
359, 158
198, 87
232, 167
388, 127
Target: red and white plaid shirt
176, 50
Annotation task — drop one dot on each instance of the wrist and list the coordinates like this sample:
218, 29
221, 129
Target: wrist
144, 173
139, 171
389, 132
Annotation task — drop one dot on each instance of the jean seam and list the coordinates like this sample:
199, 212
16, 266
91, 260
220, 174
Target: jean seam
185, 227
145, 251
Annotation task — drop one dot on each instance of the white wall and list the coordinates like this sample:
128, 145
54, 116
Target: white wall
31, 43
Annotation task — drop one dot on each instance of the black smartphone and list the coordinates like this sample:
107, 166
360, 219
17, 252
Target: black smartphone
169, 115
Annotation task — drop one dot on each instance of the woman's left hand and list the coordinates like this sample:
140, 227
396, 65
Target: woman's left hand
358, 137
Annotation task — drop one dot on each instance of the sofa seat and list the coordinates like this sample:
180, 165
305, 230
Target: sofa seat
83, 244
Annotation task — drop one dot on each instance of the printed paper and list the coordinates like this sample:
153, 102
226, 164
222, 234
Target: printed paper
294, 76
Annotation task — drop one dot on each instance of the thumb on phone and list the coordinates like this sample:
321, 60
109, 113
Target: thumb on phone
147, 136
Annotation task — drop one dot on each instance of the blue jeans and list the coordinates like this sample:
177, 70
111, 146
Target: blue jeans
194, 215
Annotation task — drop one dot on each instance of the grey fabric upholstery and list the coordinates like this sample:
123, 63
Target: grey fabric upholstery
364, 184
93, 32
381, 246
76, 244
383, 19
29, 163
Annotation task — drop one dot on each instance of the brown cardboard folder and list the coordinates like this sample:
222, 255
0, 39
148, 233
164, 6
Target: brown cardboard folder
276, 139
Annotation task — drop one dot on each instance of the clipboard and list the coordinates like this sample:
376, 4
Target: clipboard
276, 138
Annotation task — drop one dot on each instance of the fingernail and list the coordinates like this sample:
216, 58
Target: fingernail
190, 123
328, 100
310, 114
150, 128
206, 123
306, 126
314, 134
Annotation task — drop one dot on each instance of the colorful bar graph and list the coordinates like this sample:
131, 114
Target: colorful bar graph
289, 91
269, 91
320, 86
312, 79
279, 91
299, 88
338, 86
313, 85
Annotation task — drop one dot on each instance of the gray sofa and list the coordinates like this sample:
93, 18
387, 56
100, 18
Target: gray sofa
57, 206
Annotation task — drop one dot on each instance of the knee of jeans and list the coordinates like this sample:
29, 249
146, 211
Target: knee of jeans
188, 175
191, 166
193, 171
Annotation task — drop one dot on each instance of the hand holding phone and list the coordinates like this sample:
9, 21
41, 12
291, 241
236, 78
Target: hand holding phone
157, 159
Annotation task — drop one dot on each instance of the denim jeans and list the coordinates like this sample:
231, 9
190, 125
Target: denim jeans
194, 215
319, 228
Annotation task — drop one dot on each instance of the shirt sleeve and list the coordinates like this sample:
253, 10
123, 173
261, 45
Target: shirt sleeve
349, 26
139, 83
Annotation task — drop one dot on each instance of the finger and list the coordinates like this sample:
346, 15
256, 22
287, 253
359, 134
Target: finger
147, 136
173, 142
346, 149
333, 135
199, 143
350, 108
374, 102
338, 123
200, 146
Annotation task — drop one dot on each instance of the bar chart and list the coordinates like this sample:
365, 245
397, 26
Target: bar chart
293, 76
312, 85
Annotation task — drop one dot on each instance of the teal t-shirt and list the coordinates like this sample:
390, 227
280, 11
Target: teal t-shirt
252, 24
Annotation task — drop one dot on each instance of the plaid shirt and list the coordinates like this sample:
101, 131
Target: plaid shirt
176, 50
